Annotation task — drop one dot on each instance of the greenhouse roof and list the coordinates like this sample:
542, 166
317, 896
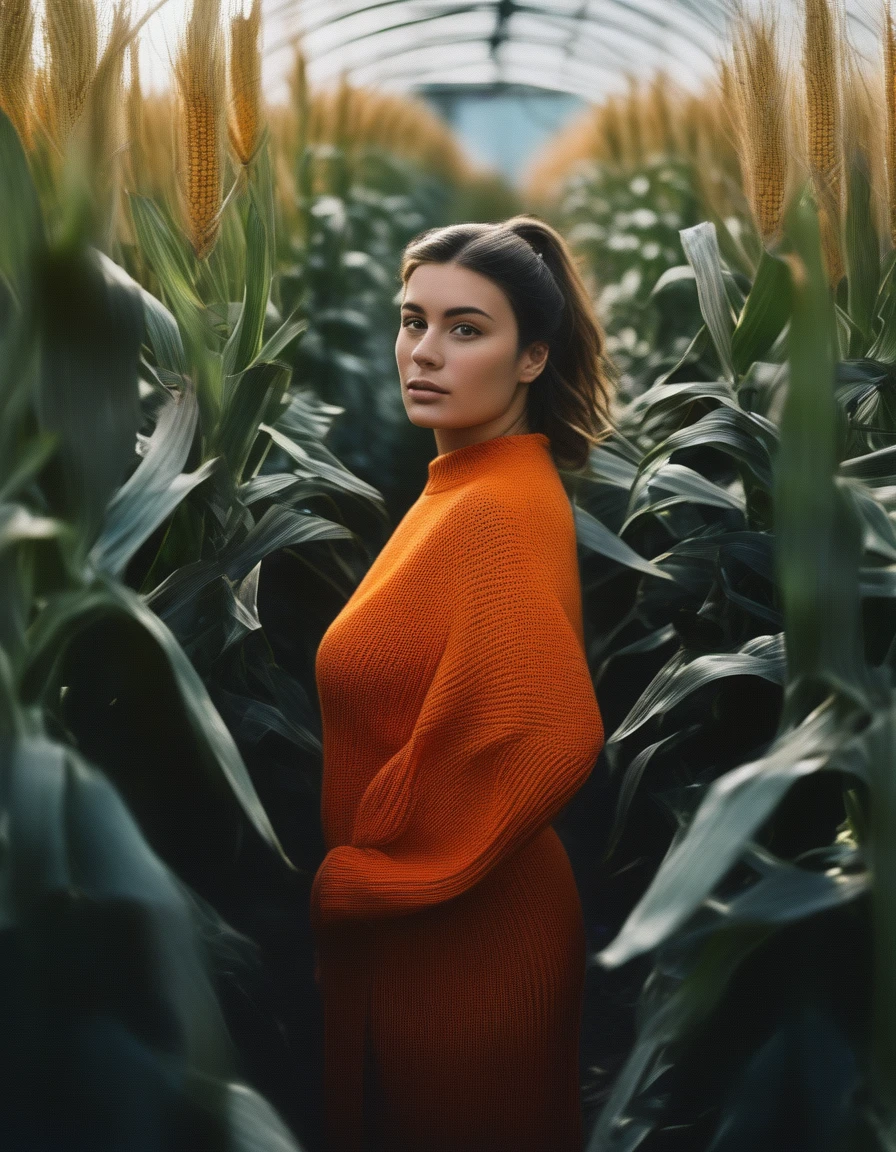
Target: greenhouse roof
585, 47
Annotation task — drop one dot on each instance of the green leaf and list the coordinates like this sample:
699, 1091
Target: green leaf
876, 469
685, 673
884, 346
862, 254
818, 534
765, 313
254, 1125
202, 714
154, 489
249, 397
77, 861
665, 1021
161, 327
91, 329
879, 532
676, 484
246, 337
293, 326
609, 467
165, 256
667, 400
746, 436
674, 275
279, 527
22, 234
34, 455
18, 523
632, 780
701, 247
598, 538
325, 467
734, 807
269, 485
69, 613
786, 892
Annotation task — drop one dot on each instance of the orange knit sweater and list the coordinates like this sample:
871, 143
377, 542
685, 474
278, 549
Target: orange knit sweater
458, 717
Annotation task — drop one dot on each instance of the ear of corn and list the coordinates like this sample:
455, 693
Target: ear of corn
890, 102
200, 73
822, 64
16, 66
759, 106
245, 83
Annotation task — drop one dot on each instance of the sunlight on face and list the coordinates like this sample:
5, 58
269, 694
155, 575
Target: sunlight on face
458, 332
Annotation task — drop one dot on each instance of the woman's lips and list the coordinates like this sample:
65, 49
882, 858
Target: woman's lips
420, 393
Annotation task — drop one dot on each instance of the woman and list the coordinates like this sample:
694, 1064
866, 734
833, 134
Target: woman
459, 717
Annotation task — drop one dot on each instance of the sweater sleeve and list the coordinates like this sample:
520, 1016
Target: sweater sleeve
509, 730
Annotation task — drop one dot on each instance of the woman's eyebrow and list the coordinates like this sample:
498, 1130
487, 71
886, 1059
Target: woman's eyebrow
448, 311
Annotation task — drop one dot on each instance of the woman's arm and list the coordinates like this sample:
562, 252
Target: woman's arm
509, 730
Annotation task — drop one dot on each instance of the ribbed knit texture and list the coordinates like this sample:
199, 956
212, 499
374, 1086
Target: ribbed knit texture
459, 717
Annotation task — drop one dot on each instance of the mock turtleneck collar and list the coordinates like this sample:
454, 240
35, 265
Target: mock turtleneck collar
462, 464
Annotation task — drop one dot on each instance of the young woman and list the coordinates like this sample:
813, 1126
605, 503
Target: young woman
459, 717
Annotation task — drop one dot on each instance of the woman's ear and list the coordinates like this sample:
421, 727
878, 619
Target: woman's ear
533, 361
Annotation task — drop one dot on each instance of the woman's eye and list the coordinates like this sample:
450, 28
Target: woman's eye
412, 320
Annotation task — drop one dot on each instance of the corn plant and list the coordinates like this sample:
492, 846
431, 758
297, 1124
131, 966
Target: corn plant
745, 540
114, 1036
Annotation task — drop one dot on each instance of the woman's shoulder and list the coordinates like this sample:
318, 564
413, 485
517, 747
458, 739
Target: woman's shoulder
491, 520
540, 500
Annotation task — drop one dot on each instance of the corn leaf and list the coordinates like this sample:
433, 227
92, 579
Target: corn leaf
249, 398
165, 256
245, 340
22, 232
161, 327
279, 527
734, 807
70, 613
862, 253
684, 674
676, 484
154, 489
884, 346
293, 326
817, 532
87, 394
701, 247
765, 313
598, 538
623, 1126
745, 436
254, 1125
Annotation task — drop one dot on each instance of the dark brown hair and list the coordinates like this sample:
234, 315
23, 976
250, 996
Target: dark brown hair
569, 401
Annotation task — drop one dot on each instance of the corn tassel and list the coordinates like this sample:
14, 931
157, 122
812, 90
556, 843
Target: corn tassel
71, 36
16, 67
245, 83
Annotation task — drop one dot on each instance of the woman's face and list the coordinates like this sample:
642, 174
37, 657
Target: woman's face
458, 333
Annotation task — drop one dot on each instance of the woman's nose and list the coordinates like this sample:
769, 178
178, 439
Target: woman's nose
422, 354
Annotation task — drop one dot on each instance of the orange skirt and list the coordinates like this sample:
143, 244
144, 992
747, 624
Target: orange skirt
456, 1029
